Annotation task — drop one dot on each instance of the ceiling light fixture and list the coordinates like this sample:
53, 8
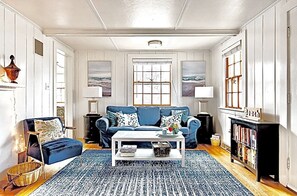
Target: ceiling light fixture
155, 43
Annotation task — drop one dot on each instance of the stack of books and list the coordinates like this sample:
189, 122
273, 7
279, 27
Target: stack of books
128, 150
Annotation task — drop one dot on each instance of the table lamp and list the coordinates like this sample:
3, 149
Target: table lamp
203, 94
93, 92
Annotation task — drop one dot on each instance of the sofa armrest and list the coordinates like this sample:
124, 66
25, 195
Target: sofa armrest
193, 124
102, 124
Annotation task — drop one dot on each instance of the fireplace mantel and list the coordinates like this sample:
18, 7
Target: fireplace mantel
9, 86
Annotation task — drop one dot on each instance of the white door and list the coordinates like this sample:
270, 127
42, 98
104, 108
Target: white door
292, 107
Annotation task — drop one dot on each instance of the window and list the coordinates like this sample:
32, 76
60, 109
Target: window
233, 78
60, 85
151, 82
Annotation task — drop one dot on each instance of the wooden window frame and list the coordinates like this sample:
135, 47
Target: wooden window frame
152, 83
234, 77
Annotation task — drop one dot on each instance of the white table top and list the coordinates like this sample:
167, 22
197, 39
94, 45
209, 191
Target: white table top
144, 135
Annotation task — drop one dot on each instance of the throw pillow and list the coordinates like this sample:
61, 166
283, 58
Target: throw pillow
127, 120
113, 118
166, 121
184, 117
49, 130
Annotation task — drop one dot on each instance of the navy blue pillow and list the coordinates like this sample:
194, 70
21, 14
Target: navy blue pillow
112, 117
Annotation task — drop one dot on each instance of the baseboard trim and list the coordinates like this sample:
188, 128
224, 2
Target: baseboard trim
226, 147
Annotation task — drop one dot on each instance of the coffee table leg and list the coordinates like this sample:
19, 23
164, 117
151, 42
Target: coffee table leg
183, 149
113, 146
178, 145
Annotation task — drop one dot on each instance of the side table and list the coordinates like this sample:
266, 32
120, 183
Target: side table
91, 132
205, 131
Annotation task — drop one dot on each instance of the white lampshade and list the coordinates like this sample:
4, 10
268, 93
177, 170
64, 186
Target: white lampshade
93, 92
205, 92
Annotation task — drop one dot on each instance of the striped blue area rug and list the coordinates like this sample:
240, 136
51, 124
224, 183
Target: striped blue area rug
203, 175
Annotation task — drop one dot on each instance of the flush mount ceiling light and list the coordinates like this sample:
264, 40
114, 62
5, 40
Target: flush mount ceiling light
155, 43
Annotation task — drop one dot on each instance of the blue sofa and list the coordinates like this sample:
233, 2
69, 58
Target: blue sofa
149, 119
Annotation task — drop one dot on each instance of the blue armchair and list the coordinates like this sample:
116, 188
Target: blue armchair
52, 151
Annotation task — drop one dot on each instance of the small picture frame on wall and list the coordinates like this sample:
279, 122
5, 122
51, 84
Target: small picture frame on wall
193, 75
93, 107
99, 74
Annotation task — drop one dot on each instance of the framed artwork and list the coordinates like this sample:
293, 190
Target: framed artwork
193, 74
99, 74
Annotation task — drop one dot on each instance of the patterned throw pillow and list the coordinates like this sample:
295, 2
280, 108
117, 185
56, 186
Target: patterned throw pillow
127, 120
184, 117
49, 130
166, 121
113, 118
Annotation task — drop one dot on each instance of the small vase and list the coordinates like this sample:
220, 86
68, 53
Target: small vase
12, 70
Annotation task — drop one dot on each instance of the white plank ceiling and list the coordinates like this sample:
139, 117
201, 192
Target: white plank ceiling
130, 24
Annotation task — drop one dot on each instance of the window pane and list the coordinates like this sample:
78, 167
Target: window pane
156, 67
229, 85
230, 59
147, 88
234, 85
166, 67
156, 88
237, 56
137, 88
165, 76
240, 84
240, 100
138, 99
147, 99
238, 69
165, 99
229, 98
156, 77
137, 67
165, 88
147, 76
235, 100
230, 71
156, 99
147, 67
137, 76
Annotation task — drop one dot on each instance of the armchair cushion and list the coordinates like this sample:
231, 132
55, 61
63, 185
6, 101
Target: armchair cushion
49, 130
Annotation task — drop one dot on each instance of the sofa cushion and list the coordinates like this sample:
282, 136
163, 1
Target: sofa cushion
184, 113
166, 111
113, 130
124, 109
148, 115
148, 128
167, 121
127, 120
112, 117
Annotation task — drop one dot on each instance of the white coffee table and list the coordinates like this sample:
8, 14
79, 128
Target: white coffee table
147, 154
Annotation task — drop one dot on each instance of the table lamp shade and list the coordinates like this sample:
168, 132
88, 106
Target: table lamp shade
205, 92
93, 92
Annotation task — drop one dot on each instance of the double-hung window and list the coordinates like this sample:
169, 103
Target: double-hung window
152, 82
233, 78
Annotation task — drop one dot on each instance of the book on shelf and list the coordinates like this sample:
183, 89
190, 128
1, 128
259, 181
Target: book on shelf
127, 154
128, 149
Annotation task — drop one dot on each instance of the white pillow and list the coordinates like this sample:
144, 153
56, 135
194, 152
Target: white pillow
49, 130
166, 121
127, 120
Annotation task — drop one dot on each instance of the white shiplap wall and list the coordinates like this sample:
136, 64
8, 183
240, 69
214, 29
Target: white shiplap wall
120, 75
266, 76
17, 36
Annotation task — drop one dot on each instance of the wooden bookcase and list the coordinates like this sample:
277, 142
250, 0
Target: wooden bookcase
256, 146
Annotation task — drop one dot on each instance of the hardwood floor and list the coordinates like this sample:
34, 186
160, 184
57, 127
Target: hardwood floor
266, 187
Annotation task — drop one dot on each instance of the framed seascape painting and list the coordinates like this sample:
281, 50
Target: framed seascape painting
99, 74
193, 74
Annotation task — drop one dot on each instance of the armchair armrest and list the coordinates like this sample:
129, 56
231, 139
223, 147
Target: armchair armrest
193, 124
33, 133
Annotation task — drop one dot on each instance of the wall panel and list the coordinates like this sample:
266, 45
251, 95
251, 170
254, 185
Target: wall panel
9, 35
2, 26
269, 64
258, 62
250, 66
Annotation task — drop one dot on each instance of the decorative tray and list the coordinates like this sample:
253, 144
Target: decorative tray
169, 134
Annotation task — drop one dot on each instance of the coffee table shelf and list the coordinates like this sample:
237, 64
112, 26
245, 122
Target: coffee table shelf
146, 154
